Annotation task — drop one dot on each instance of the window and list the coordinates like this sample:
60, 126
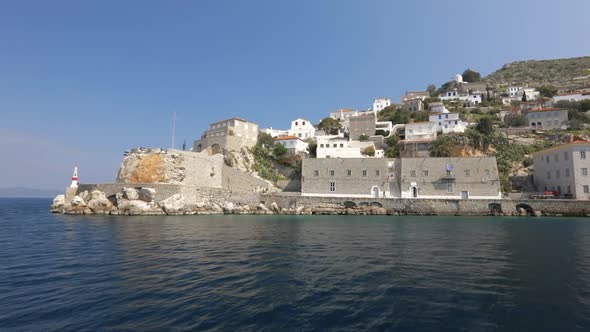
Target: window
316, 173
584, 171
335, 145
321, 145
449, 187
467, 173
332, 173
377, 173
449, 172
557, 175
582, 154
332, 186
565, 156
556, 157
341, 145
349, 172
569, 189
567, 172
487, 172
364, 172
296, 123
586, 190
303, 123
548, 175
425, 173
413, 173
547, 159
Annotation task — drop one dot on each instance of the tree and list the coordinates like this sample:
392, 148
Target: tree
382, 132
369, 151
485, 125
279, 151
395, 115
312, 149
431, 90
330, 126
471, 76
392, 150
515, 120
419, 116
523, 99
265, 140
547, 91
363, 138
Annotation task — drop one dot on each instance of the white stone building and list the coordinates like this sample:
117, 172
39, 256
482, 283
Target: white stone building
511, 91
380, 103
331, 146
343, 115
302, 128
420, 131
448, 123
230, 134
294, 144
572, 96
274, 132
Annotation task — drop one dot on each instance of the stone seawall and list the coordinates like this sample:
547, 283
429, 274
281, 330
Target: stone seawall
139, 199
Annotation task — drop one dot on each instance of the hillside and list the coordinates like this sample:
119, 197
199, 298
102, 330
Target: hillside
542, 71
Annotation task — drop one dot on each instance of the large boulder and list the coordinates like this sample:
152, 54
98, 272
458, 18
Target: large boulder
138, 208
58, 204
130, 193
228, 208
100, 204
174, 205
147, 194
76, 205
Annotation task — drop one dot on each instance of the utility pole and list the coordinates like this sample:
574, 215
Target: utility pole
173, 128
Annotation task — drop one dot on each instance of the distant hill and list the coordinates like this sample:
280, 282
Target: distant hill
542, 71
20, 192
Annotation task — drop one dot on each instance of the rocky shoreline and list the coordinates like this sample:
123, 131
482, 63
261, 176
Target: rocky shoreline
132, 201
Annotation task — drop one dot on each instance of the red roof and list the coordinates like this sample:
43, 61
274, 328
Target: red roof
286, 138
548, 109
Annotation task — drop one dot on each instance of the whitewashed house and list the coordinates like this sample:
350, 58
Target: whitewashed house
420, 131
331, 146
422, 95
302, 128
437, 107
343, 115
571, 96
380, 103
448, 123
511, 91
274, 132
294, 145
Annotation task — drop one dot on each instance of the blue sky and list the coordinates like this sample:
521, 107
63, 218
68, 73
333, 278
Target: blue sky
81, 81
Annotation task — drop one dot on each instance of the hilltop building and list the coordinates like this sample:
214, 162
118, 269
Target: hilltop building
230, 134
343, 115
413, 105
422, 95
564, 169
365, 123
571, 96
274, 132
302, 128
380, 103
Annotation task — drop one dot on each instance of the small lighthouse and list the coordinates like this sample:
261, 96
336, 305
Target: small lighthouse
75, 178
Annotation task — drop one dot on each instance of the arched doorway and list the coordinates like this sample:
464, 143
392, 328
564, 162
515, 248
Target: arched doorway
495, 208
375, 191
349, 204
529, 210
215, 149
414, 192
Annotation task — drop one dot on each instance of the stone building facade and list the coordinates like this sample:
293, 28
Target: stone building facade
362, 125
350, 177
564, 169
231, 134
547, 118
450, 178
428, 178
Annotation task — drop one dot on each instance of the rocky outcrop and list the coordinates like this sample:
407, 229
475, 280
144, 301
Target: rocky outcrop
151, 165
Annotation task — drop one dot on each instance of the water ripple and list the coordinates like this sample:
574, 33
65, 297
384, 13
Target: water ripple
271, 273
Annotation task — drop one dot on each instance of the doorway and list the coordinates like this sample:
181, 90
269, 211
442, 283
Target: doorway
414, 192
